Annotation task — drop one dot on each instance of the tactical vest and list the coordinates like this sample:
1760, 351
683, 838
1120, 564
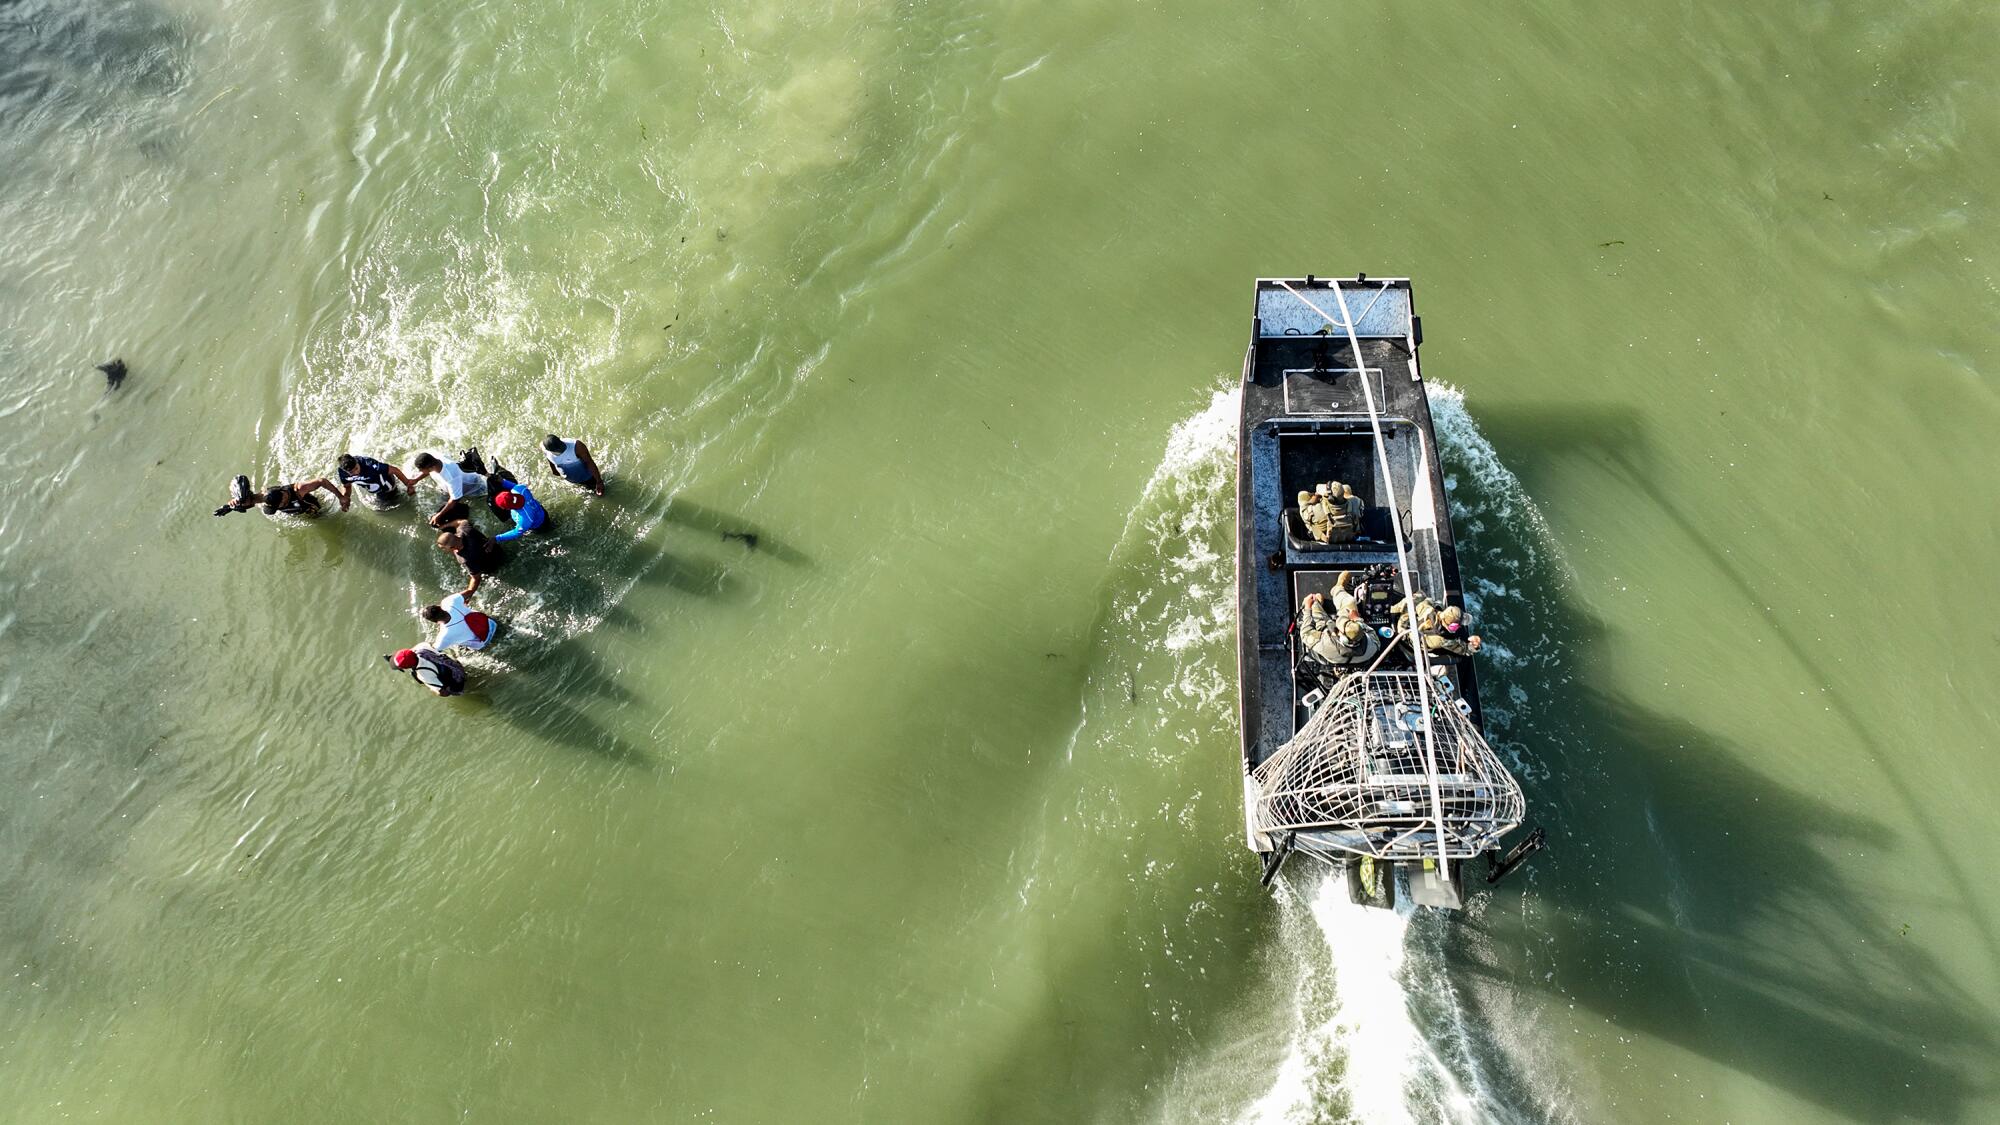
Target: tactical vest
1426, 616
1317, 515
1331, 519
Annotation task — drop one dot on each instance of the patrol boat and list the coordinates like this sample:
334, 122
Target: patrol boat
1377, 765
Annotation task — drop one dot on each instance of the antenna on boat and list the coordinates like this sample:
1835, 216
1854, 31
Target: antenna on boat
1417, 654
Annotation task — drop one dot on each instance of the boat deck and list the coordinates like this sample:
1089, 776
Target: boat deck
1305, 420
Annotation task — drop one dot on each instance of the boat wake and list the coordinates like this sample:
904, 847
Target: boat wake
1358, 1053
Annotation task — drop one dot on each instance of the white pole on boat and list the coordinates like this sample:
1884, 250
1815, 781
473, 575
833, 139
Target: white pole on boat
1417, 655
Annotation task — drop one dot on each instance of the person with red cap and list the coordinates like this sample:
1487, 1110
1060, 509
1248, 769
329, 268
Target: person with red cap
527, 512
440, 673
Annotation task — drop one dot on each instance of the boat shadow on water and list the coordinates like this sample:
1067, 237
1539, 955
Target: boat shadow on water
1693, 899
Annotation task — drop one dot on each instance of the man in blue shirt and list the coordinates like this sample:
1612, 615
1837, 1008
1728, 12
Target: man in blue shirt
527, 512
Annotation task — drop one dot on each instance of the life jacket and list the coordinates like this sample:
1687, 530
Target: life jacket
1323, 634
1331, 518
438, 672
1316, 634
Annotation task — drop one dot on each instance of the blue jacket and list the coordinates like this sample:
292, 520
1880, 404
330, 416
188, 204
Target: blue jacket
527, 517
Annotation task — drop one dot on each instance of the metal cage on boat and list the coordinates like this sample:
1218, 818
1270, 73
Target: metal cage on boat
1389, 766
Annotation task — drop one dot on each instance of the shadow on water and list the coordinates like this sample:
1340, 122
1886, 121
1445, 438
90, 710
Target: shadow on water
1621, 442
731, 529
358, 537
555, 690
1690, 898
1703, 906
579, 571
538, 709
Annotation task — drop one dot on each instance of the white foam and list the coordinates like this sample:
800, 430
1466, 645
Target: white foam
1498, 496
1358, 1054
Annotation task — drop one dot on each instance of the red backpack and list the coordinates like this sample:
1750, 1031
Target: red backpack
480, 624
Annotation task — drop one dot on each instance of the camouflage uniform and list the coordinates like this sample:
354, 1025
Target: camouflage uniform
1332, 517
1335, 637
1431, 622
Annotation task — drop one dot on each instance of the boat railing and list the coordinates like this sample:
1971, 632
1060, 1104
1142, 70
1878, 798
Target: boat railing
1360, 774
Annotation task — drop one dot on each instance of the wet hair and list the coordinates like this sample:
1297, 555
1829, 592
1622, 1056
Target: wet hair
427, 461
553, 444
274, 498
348, 462
436, 613
449, 541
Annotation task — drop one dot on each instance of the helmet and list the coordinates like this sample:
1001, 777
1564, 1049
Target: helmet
405, 659
509, 500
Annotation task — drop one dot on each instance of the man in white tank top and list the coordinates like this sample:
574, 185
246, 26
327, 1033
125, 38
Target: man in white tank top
571, 460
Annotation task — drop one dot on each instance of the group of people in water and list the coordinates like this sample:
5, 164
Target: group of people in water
1332, 627
383, 485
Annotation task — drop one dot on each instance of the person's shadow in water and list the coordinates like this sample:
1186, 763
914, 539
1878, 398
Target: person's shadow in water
751, 537
551, 688
555, 689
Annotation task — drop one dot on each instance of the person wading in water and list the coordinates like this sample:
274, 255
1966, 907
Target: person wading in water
376, 479
437, 672
473, 550
462, 626
571, 460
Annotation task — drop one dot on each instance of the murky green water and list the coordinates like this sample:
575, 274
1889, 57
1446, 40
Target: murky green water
927, 808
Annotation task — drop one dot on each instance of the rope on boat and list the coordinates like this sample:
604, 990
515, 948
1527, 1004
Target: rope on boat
1417, 654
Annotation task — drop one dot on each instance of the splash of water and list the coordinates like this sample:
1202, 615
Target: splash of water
1359, 1054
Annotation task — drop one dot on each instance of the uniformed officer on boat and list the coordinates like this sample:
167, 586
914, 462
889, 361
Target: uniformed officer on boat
1331, 513
1443, 631
1330, 626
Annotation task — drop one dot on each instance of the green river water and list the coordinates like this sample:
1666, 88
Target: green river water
928, 808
